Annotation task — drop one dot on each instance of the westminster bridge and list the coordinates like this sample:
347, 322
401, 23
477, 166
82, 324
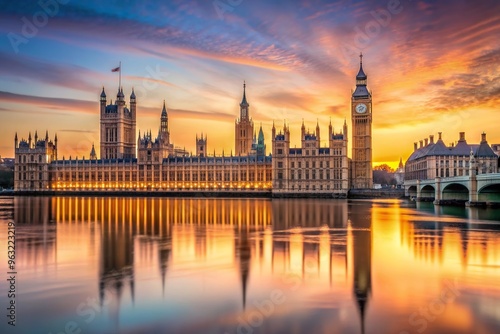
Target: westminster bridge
473, 190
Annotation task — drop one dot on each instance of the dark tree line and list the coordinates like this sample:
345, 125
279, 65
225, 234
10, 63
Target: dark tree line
384, 175
6, 179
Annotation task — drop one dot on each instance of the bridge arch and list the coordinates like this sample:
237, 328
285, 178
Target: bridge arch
489, 193
455, 191
412, 192
428, 193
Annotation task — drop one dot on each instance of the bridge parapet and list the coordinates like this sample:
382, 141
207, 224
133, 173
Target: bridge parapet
457, 190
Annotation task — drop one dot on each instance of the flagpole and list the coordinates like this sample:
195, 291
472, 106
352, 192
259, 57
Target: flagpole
120, 77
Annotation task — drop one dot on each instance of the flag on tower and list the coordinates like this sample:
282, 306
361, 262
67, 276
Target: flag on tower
116, 69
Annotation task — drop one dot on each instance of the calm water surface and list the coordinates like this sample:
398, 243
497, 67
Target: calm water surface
150, 265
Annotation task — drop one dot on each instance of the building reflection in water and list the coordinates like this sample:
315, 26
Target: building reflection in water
309, 238
360, 220
36, 231
457, 237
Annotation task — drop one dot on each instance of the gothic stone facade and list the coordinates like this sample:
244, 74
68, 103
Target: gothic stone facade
310, 169
159, 165
33, 161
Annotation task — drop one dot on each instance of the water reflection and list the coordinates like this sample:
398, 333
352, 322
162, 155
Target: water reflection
470, 240
360, 220
214, 265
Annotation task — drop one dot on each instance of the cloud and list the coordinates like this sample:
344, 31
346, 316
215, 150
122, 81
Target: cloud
70, 106
77, 131
337, 110
289, 99
31, 69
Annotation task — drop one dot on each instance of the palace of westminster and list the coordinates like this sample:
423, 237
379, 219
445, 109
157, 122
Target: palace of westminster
149, 163
154, 164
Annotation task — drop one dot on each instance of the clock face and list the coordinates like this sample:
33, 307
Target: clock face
361, 108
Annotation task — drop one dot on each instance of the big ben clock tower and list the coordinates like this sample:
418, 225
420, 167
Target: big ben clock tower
361, 115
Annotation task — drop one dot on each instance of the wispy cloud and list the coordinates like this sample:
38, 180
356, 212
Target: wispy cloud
70, 106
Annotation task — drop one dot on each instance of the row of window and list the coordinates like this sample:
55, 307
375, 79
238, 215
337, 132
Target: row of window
311, 175
338, 151
307, 165
31, 168
31, 158
29, 176
235, 176
336, 186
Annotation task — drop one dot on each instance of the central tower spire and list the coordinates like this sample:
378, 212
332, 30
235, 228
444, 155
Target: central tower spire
244, 104
244, 127
164, 119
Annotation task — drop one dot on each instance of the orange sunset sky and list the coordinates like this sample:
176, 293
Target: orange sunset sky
433, 66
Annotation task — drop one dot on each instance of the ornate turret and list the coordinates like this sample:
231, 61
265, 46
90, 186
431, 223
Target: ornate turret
318, 133
133, 103
120, 94
164, 119
201, 146
261, 146
93, 155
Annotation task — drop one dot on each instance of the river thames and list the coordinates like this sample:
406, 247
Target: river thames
204, 265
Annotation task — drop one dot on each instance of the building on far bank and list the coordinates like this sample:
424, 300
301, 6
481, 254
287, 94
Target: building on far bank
118, 127
34, 159
434, 159
310, 169
159, 165
496, 149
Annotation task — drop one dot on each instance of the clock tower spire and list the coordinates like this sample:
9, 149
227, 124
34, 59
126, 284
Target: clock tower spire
361, 115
